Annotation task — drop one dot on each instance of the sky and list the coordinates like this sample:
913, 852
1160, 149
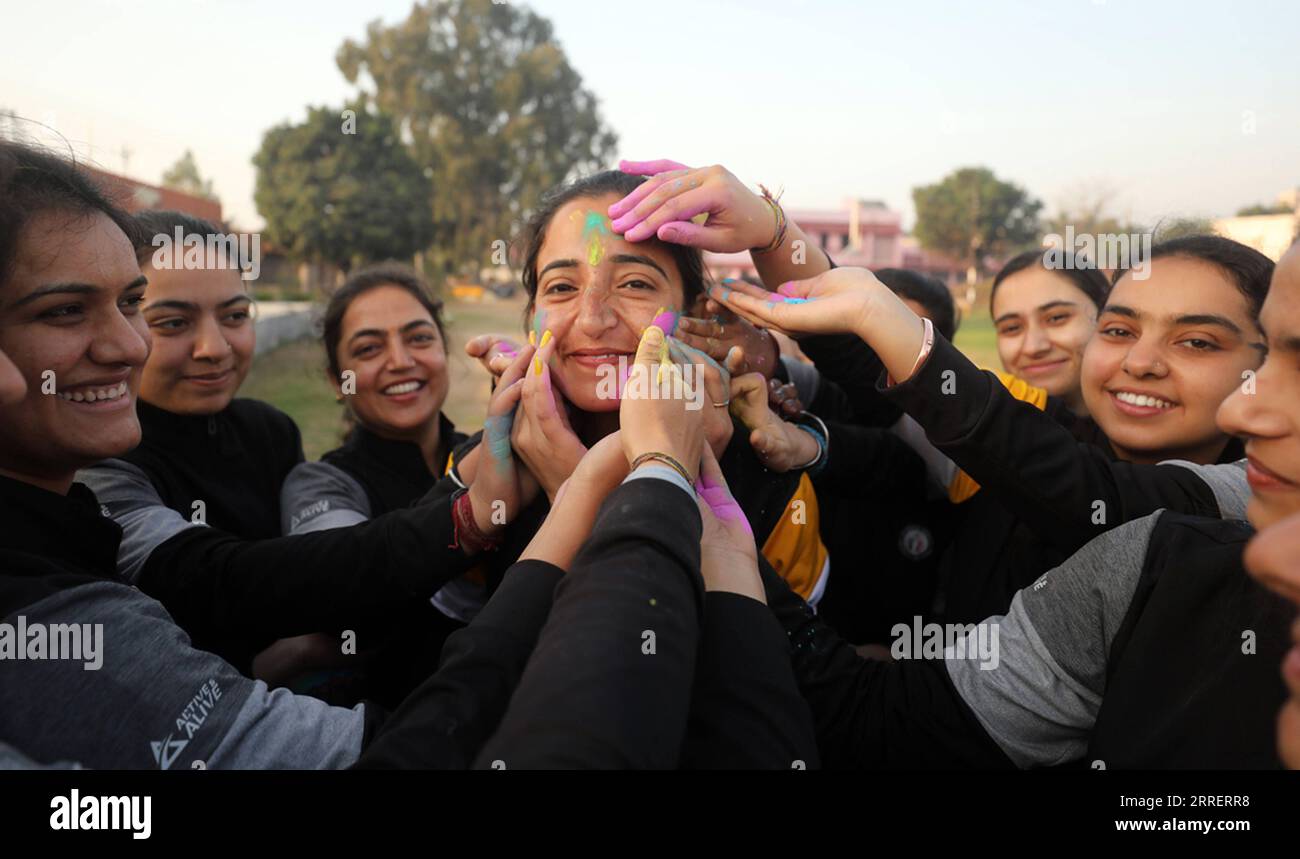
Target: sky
1172, 109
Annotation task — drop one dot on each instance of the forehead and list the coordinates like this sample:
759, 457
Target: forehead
1033, 287
384, 307
71, 247
1179, 286
197, 286
580, 230
1281, 314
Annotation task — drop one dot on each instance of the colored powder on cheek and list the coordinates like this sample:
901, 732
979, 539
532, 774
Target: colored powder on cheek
667, 322
539, 324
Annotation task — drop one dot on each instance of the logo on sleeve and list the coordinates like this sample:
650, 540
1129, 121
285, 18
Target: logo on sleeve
189, 721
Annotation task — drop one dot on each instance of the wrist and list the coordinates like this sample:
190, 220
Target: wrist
482, 507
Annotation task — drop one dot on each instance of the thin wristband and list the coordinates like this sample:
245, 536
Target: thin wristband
927, 344
670, 461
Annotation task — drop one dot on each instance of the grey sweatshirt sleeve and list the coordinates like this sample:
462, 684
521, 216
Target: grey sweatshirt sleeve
1226, 480
131, 500
317, 496
1038, 697
143, 698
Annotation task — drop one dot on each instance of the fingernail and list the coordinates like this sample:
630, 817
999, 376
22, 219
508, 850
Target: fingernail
546, 338
653, 335
537, 366
728, 280
532, 338
619, 225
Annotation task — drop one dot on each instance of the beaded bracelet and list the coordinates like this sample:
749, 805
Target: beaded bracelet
667, 460
465, 531
781, 224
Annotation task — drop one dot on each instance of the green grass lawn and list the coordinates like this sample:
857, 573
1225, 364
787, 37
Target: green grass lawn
292, 377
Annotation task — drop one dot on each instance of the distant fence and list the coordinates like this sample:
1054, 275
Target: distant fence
280, 322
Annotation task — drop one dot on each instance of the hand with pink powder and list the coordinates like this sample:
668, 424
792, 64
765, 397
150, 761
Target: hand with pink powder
728, 554
663, 207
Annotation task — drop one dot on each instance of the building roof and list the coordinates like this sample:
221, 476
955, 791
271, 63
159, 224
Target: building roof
135, 196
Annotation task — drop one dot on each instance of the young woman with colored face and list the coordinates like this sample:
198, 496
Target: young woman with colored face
592, 294
71, 323
1167, 351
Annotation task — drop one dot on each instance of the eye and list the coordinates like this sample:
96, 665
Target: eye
131, 303
1008, 330
1058, 318
1114, 331
555, 287
639, 284
170, 323
1201, 345
366, 350
238, 317
62, 313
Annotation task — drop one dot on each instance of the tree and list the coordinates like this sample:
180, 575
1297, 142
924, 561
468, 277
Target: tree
971, 214
1087, 210
1266, 209
341, 188
492, 110
184, 176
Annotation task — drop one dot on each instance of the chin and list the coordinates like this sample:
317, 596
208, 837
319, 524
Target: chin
1262, 513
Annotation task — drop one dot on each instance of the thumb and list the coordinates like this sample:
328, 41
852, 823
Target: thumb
650, 349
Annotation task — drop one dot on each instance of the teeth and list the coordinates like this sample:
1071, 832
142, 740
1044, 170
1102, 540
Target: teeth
95, 395
403, 388
1142, 400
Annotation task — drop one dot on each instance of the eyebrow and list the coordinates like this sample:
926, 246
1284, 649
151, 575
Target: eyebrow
70, 289
375, 332
636, 259
1208, 319
639, 260
1039, 309
191, 306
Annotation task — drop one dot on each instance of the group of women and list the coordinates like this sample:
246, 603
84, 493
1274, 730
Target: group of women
597, 581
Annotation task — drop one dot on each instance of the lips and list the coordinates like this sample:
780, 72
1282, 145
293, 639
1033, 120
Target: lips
403, 389
1140, 404
1261, 478
597, 357
101, 395
210, 380
1042, 367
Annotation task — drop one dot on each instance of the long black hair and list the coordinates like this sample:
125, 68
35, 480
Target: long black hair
1249, 270
34, 181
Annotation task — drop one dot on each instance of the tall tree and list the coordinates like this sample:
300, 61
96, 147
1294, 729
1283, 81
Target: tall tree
492, 111
341, 188
971, 214
184, 176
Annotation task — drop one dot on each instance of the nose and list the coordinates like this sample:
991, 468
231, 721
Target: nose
1036, 340
399, 357
1144, 359
595, 316
1250, 410
211, 344
117, 340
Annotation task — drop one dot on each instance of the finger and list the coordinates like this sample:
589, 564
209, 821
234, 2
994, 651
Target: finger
700, 327
649, 168
707, 345
650, 350
695, 356
678, 200
734, 360
477, 347
744, 286
640, 192
517, 367
687, 233
757, 311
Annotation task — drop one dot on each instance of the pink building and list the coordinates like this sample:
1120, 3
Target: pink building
864, 233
